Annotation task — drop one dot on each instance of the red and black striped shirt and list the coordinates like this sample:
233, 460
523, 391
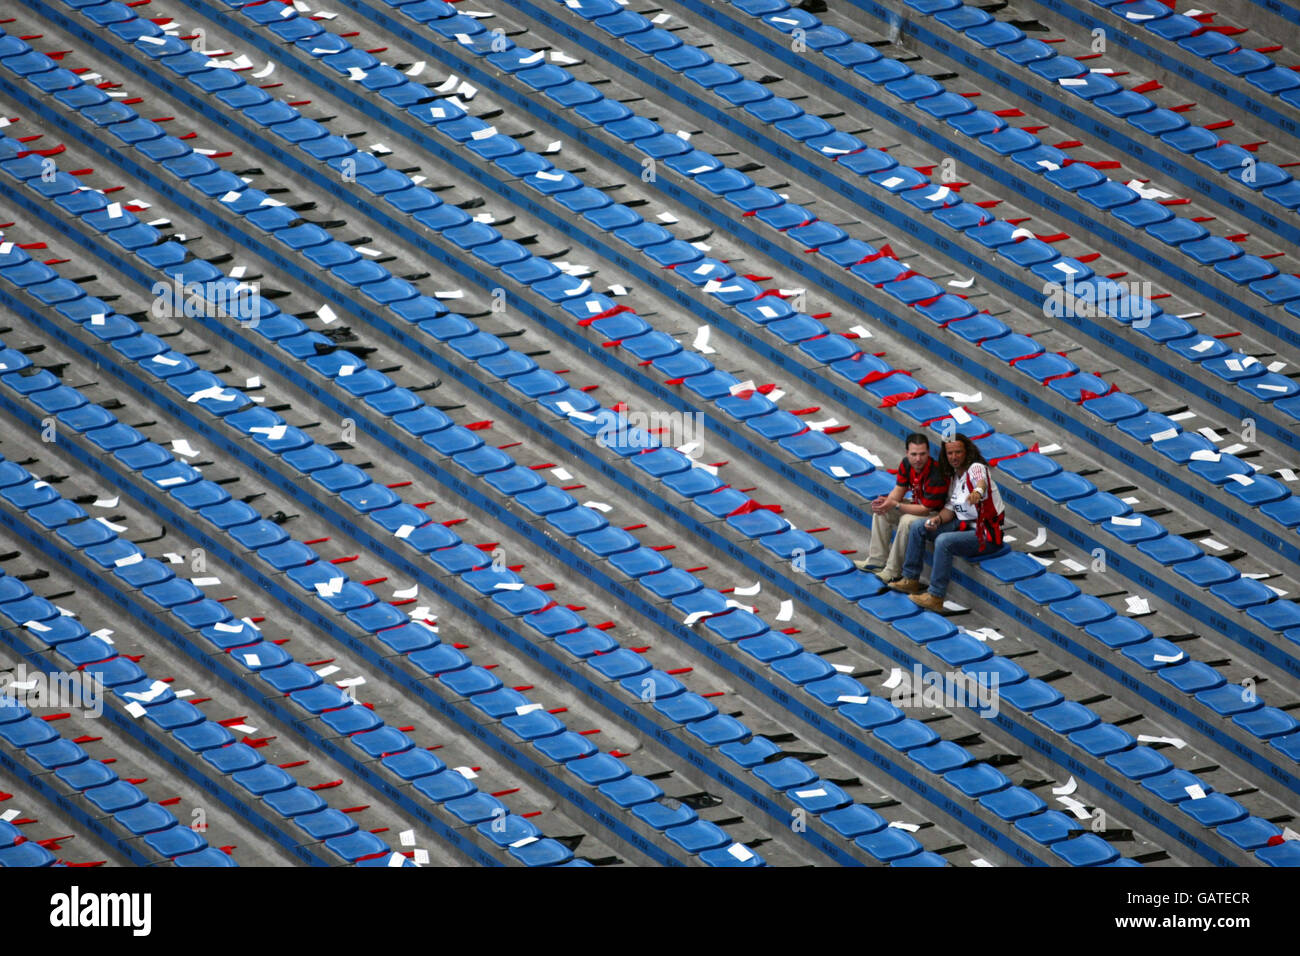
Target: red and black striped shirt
928, 486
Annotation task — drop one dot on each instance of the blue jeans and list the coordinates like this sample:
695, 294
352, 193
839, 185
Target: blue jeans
948, 543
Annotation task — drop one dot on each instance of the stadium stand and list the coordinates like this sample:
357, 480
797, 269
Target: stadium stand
428, 385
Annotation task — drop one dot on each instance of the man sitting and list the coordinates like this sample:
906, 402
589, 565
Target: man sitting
918, 475
968, 525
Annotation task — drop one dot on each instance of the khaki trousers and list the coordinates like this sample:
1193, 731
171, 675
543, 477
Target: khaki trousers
893, 524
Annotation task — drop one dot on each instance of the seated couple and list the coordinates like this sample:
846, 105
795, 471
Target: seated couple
953, 502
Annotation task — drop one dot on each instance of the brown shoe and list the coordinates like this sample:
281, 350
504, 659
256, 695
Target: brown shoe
929, 601
908, 586
887, 578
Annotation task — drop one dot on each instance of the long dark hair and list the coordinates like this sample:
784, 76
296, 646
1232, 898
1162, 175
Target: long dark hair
972, 456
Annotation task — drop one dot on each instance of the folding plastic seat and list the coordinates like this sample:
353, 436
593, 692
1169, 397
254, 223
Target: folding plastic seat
914, 88
714, 729
1228, 700
597, 769
525, 601
889, 606
1243, 62
351, 720
261, 656
30, 63
760, 8
1098, 507
200, 613
735, 625
1266, 722
1056, 68
27, 731
841, 465
996, 34
58, 399
619, 664
1234, 366
1251, 833
172, 592
698, 836
1075, 177
1048, 827
295, 801
961, 17
1013, 803
1063, 486
1101, 740
1012, 567
959, 650
1030, 695
889, 844
1045, 366
977, 328
820, 796
743, 93
29, 854
1140, 763
1124, 104
1260, 489
1146, 653
1144, 212
914, 289
477, 808
941, 757
1243, 593
28, 495
1190, 139
82, 776
758, 523
57, 753
175, 714
203, 735
376, 617
340, 478
1145, 426
1197, 347
903, 735
353, 846
803, 668
1274, 80
1230, 157
1278, 616
809, 445
1009, 140
1191, 677
116, 797
1288, 744
1083, 610
899, 179
831, 689
1269, 387
1086, 850
1214, 810
766, 647
623, 24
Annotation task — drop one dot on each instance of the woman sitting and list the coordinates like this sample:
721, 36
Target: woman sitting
968, 525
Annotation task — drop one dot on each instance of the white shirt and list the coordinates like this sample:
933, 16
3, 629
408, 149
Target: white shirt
959, 496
